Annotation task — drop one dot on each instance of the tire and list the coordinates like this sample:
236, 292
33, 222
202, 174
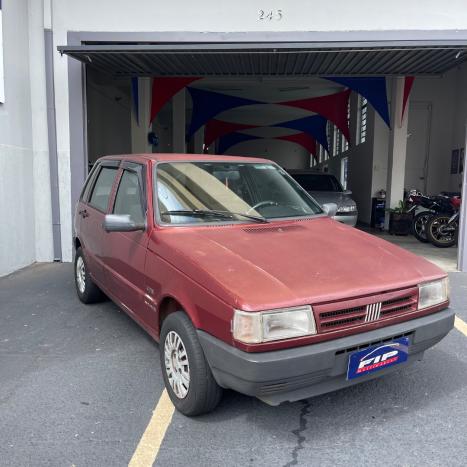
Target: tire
419, 224
87, 291
434, 231
202, 393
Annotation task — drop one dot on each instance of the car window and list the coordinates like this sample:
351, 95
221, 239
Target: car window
102, 188
316, 182
128, 199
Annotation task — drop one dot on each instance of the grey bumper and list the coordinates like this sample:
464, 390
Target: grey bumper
302, 372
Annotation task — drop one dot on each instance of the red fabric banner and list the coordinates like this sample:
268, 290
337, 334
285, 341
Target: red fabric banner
216, 128
303, 140
163, 89
334, 107
407, 88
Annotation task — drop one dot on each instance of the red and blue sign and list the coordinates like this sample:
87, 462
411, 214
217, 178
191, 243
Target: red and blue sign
376, 358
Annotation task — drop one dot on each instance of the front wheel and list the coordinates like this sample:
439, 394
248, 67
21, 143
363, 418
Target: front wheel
187, 376
440, 232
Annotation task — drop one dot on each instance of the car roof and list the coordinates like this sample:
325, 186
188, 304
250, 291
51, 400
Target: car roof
169, 157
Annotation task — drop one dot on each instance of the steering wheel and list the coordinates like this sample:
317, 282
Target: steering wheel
262, 203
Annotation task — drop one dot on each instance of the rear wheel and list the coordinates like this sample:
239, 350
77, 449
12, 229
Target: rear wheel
440, 233
187, 376
87, 291
419, 224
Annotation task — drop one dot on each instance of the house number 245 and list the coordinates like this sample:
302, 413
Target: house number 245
270, 15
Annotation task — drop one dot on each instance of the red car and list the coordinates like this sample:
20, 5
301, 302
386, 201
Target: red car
245, 280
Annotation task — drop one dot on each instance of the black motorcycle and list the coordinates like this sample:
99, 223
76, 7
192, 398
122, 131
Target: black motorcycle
442, 229
432, 205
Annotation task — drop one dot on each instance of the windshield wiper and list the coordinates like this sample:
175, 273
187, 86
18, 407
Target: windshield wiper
213, 213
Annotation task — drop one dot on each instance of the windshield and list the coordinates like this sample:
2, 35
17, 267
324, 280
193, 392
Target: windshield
318, 182
200, 192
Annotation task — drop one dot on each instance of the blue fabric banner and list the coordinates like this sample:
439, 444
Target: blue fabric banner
208, 104
135, 96
227, 141
314, 126
372, 88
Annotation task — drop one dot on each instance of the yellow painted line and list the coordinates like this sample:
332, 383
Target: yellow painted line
149, 444
461, 326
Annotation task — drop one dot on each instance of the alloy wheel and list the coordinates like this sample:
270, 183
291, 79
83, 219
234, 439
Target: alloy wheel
176, 364
80, 274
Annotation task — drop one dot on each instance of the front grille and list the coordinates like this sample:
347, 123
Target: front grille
346, 313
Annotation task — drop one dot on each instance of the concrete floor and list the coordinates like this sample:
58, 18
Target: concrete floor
79, 384
445, 258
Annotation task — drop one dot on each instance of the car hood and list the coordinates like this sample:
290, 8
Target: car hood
332, 197
286, 264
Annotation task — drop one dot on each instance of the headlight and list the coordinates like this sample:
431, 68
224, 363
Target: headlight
271, 325
349, 208
433, 293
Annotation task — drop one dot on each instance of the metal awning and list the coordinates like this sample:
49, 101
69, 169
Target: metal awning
266, 59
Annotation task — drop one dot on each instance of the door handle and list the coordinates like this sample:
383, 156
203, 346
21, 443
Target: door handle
83, 213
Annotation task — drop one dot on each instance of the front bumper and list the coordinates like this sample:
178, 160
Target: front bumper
349, 219
302, 372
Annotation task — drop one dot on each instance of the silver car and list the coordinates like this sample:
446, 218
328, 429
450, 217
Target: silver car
325, 188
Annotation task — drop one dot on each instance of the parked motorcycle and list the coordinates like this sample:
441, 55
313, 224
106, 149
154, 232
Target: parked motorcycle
431, 205
442, 229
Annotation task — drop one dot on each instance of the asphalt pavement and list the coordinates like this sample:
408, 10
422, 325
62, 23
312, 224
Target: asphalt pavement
78, 385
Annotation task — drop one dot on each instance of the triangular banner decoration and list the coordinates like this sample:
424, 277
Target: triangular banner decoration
135, 96
373, 88
314, 126
233, 138
216, 128
165, 88
334, 107
304, 140
208, 104
408, 83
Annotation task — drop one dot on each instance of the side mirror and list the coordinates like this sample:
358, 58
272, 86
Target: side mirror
347, 192
330, 209
121, 223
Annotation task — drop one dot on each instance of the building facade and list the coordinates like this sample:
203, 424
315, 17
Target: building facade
51, 119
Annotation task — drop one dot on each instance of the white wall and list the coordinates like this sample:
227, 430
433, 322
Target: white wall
108, 115
17, 230
242, 15
440, 94
286, 154
459, 121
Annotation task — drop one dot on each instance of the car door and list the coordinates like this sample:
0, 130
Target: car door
91, 211
125, 252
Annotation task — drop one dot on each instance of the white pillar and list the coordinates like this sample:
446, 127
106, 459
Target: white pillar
198, 140
40, 142
139, 133
397, 146
178, 122
462, 252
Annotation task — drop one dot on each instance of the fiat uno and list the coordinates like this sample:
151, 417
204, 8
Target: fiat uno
246, 282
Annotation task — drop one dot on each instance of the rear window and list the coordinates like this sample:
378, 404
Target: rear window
102, 188
315, 182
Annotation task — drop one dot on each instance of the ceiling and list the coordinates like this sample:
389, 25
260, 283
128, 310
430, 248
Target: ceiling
283, 59
266, 73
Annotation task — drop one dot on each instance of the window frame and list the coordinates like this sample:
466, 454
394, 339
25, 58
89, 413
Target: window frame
160, 224
106, 164
362, 127
140, 171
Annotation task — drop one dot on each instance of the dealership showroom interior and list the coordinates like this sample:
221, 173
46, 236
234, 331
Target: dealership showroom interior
233, 233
